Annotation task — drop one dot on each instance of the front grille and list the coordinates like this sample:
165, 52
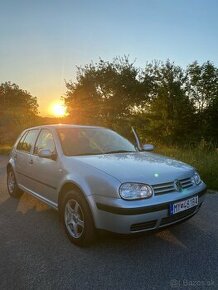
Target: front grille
168, 187
178, 216
143, 226
187, 182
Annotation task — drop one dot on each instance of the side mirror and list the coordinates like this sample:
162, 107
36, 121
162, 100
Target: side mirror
148, 147
46, 153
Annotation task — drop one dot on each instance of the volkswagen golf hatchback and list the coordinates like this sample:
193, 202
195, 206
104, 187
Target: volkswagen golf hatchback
97, 179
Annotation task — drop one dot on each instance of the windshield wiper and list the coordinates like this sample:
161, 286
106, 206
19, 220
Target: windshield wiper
101, 153
86, 154
119, 151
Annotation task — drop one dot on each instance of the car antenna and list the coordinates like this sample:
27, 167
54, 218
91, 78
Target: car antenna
137, 139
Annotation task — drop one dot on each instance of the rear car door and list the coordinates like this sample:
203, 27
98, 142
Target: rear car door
45, 172
22, 157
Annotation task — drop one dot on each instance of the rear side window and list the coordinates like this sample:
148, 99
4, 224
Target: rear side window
28, 140
45, 141
19, 145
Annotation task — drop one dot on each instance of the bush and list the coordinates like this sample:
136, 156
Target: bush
5, 149
204, 159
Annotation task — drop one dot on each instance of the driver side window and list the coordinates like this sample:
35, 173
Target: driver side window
45, 141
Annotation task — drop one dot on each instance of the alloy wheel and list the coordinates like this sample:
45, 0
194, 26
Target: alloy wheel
11, 181
74, 218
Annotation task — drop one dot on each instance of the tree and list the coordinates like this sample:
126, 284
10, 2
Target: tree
202, 84
18, 110
202, 88
170, 113
104, 93
211, 121
167, 104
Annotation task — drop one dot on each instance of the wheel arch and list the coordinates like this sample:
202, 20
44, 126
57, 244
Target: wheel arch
67, 186
9, 166
70, 185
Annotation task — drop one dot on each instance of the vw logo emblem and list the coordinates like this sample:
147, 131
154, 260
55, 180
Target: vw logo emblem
177, 185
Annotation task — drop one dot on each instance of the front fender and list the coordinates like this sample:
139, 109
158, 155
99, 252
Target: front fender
92, 182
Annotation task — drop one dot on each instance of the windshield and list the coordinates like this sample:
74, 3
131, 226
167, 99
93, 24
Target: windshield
92, 141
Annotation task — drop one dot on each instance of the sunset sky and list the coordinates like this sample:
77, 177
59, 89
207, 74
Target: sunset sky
43, 41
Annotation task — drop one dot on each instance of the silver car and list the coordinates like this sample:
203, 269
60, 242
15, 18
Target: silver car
97, 179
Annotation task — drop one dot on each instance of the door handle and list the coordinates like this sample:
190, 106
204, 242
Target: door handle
31, 161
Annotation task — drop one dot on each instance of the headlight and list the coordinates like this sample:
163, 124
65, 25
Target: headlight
131, 191
196, 178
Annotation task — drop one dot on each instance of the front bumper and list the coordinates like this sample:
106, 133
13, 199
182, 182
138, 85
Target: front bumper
117, 215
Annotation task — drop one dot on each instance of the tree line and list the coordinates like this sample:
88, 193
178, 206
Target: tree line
167, 104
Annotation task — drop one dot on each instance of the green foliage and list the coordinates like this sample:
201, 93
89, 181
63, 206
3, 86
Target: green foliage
18, 110
164, 102
14, 98
204, 157
104, 93
170, 111
202, 84
5, 149
211, 122
202, 89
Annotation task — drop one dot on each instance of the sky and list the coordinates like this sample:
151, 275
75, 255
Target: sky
42, 42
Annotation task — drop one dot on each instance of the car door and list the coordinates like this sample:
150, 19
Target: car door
45, 172
22, 157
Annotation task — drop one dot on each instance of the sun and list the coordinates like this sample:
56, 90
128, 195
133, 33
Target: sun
58, 110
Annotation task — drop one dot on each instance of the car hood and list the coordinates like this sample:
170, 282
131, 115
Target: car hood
139, 167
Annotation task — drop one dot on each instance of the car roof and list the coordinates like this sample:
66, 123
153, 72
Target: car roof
64, 126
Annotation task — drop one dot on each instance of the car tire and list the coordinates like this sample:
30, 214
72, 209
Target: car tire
77, 219
12, 186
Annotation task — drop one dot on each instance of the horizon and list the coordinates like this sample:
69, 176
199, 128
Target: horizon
45, 42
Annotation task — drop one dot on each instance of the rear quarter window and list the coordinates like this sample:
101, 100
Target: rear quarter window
19, 144
28, 140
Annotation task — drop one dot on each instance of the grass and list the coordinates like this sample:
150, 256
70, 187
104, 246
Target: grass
205, 161
5, 149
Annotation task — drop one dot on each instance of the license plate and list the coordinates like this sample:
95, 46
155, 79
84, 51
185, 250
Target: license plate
183, 205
